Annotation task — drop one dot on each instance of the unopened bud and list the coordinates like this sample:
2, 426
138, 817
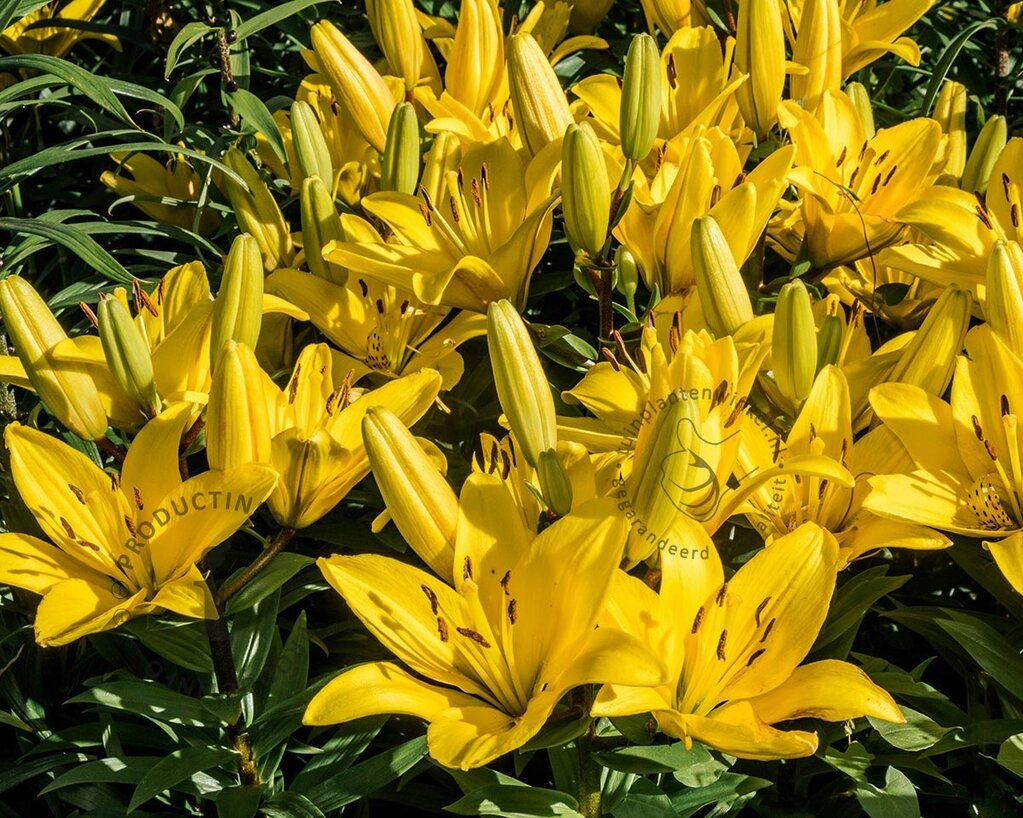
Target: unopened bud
540, 106
585, 196
760, 54
640, 111
794, 342
311, 149
320, 226
990, 143
929, 359
555, 485
521, 383
399, 35
860, 99
723, 297
399, 164
238, 309
127, 354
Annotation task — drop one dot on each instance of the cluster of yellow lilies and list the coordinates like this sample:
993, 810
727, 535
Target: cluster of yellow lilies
426, 186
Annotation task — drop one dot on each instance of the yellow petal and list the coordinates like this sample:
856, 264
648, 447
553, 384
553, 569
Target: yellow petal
75, 608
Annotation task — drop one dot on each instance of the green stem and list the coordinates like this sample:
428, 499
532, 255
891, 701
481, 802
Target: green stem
589, 770
227, 682
274, 548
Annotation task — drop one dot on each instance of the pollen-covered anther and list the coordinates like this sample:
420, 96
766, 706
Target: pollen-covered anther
68, 529
721, 645
720, 598
697, 620
79, 495
505, 582
475, 636
442, 629
467, 568
138, 498
430, 595
513, 609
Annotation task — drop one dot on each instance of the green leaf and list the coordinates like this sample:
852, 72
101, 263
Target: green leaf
652, 758
918, 733
730, 789
854, 762
239, 802
252, 110
291, 672
273, 17
177, 767
189, 34
989, 648
897, 799
120, 770
1010, 754
948, 57
91, 85
367, 776
252, 634
148, 699
183, 644
515, 802
290, 805
281, 568
75, 240
852, 601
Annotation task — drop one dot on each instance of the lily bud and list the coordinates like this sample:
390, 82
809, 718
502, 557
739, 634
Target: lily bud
929, 359
399, 35
640, 112
861, 101
305, 463
237, 419
419, 499
311, 149
723, 297
628, 272
257, 212
127, 354
399, 164
950, 113
320, 226
521, 384
760, 54
794, 342
818, 48
66, 387
555, 485
990, 142
540, 106
238, 310
585, 197
361, 91
829, 340
1003, 303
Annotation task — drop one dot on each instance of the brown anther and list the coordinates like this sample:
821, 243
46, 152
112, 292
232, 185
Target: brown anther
876, 185
137, 495
1004, 403
68, 529
79, 494
425, 211
1014, 214
609, 356
982, 215
442, 629
467, 568
506, 465
454, 209
505, 580
697, 620
363, 286
672, 72
87, 544
115, 481
477, 198
715, 195
130, 525
89, 313
881, 158
721, 645
475, 636
841, 157
977, 430
513, 608
380, 306
720, 598
989, 447
426, 198
891, 173
430, 595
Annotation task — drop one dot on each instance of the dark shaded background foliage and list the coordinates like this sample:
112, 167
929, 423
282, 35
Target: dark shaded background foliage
83, 725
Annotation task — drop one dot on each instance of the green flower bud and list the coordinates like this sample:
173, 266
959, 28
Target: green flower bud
555, 485
640, 112
990, 142
127, 354
540, 107
585, 195
1003, 302
521, 383
399, 164
311, 149
794, 342
628, 272
238, 310
320, 226
723, 296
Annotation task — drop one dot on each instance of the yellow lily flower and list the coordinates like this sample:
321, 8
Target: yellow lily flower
867, 281
701, 175
869, 29
56, 40
695, 89
165, 192
378, 328
966, 475
315, 429
734, 649
477, 244
963, 226
853, 188
824, 428
501, 640
672, 15
125, 545
760, 55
